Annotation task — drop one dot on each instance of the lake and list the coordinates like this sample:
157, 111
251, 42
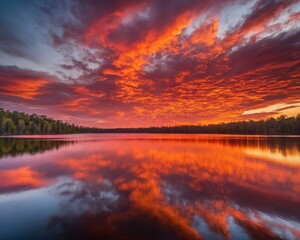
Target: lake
149, 186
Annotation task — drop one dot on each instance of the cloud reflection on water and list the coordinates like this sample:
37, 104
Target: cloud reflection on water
156, 187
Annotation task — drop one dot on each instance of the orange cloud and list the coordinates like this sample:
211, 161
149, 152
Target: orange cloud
206, 33
22, 88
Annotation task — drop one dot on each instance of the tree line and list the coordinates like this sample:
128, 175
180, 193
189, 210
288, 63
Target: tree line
280, 125
21, 123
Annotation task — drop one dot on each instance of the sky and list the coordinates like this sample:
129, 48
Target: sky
146, 63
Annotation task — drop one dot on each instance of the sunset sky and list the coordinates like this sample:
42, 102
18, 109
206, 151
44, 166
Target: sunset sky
132, 63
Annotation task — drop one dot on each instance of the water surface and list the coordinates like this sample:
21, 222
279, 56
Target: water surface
149, 186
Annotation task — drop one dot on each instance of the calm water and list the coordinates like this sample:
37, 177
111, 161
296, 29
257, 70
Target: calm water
136, 186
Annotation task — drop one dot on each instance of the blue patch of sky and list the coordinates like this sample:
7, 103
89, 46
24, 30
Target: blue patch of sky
233, 15
201, 226
26, 36
22, 43
236, 231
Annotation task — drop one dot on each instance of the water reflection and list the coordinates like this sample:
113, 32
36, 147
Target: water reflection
11, 146
155, 187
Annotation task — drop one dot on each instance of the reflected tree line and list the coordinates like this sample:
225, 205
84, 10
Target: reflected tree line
21, 123
19, 146
278, 143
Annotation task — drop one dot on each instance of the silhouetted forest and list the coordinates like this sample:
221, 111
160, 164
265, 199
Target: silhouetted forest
21, 123
280, 125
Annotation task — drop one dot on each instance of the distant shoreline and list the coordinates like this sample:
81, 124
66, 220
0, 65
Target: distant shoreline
19, 123
141, 133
